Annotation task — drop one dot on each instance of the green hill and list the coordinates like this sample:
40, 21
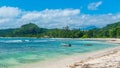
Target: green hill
112, 26
111, 30
32, 30
29, 30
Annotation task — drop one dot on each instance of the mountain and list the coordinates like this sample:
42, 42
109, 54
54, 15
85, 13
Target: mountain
29, 30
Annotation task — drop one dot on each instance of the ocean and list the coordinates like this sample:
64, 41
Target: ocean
18, 51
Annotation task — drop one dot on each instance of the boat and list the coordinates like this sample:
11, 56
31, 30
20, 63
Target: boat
66, 45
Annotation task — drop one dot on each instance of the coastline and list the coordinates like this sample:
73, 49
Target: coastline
76, 61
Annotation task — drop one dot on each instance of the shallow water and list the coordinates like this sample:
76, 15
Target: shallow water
17, 51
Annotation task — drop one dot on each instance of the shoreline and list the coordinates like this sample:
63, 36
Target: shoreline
74, 61
67, 38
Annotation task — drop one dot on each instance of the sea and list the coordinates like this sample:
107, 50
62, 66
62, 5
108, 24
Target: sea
19, 51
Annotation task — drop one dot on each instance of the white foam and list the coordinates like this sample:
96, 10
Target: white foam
27, 40
13, 41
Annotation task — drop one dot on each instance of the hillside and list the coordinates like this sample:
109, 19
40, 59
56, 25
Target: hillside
28, 30
6, 32
32, 30
111, 30
112, 26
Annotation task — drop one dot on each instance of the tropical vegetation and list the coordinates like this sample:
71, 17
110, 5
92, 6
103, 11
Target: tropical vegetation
32, 30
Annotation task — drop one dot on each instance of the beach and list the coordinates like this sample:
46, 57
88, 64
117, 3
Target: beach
107, 58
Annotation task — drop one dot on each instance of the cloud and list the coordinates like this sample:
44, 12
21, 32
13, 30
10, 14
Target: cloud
6, 12
56, 18
94, 5
53, 18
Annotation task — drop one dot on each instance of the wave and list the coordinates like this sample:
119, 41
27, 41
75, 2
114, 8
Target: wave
25, 41
11, 41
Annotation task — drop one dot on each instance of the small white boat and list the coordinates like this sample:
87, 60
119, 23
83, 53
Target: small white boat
66, 45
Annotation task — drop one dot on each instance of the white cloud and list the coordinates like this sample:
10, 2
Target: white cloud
9, 12
51, 13
94, 5
54, 18
50, 17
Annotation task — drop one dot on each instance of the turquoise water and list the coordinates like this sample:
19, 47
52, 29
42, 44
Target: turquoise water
18, 51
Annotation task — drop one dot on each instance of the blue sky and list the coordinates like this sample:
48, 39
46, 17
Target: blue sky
108, 6
59, 13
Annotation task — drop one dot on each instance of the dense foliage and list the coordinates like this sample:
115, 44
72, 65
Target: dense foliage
32, 30
111, 31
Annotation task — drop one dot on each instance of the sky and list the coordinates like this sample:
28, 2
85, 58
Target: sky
59, 13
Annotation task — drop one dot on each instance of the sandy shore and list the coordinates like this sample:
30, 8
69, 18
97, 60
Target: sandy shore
108, 58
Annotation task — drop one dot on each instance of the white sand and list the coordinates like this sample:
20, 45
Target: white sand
108, 59
105, 58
